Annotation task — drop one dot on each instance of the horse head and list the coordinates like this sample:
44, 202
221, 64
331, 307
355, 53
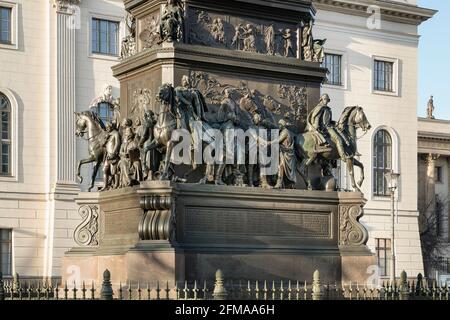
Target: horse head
353, 118
360, 119
166, 95
88, 123
80, 124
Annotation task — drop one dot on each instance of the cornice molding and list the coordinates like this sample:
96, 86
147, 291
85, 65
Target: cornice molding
64, 6
390, 11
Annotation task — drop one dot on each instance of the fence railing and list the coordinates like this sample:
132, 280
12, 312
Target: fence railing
220, 289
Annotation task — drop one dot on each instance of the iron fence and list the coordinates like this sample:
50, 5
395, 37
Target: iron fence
219, 289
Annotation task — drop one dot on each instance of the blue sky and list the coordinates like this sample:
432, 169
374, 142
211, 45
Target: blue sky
434, 59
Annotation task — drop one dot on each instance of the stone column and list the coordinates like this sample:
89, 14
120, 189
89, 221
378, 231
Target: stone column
62, 217
430, 189
66, 94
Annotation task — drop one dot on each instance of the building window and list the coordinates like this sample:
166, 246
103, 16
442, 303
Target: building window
6, 251
104, 111
384, 76
5, 25
382, 162
383, 251
333, 62
438, 174
5, 138
448, 265
105, 36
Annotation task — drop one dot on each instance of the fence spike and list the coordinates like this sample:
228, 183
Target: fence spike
167, 290
158, 291
205, 290
195, 290
74, 290
289, 290
83, 291
57, 291
130, 292
92, 290
139, 290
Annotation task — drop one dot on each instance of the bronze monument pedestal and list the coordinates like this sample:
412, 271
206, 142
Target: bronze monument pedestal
188, 231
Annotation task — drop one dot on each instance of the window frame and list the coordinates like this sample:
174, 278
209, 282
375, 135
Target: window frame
120, 36
10, 242
395, 162
14, 26
387, 251
8, 140
395, 76
340, 59
344, 70
387, 160
13, 176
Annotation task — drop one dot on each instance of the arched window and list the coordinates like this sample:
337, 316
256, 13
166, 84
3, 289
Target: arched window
5, 138
382, 162
105, 111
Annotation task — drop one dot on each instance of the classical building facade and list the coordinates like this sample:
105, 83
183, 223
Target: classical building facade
434, 195
49, 70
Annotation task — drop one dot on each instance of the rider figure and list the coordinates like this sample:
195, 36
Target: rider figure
320, 122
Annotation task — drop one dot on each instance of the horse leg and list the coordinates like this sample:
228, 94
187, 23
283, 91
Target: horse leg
351, 172
361, 166
165, 173
80, 163
94, 175
250, 169
301, 172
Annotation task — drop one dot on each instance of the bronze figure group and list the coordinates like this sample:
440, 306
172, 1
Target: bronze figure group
142, 149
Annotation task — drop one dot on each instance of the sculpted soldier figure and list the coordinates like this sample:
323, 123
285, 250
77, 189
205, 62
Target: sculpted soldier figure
288, 160
145, 141
320, 122
190, 102
288, 45
269, 38
218, 31
238, 36
249, 38
172, 19
227, 117
110, 166
130, 164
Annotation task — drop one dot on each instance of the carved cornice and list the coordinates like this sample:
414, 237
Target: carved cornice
390, 11
64, 6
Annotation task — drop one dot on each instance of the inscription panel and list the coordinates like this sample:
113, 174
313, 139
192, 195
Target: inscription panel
226, 223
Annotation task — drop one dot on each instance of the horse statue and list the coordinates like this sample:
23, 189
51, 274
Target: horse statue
165, 125
351, 119
88, 123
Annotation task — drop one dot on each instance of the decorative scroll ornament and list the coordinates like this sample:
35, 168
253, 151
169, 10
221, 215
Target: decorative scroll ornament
351, 231
158, 221
86, 234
